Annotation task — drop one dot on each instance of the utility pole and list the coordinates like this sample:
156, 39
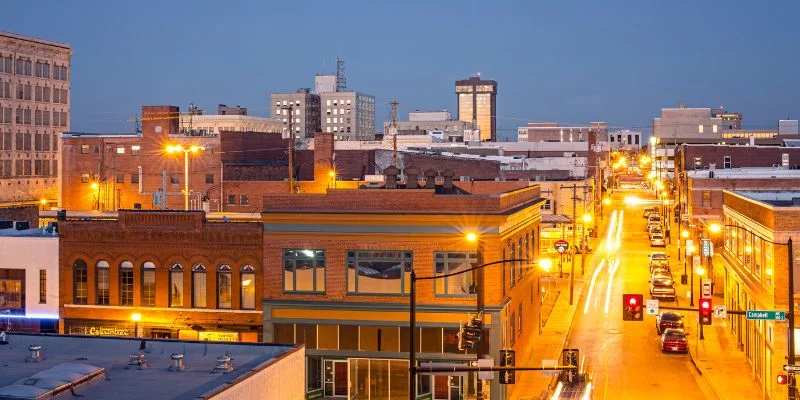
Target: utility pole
394, 104
575, 199
291, 146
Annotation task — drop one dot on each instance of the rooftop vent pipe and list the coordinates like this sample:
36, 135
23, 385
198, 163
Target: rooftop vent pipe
223, 365
36, 354
136, 360
176, 360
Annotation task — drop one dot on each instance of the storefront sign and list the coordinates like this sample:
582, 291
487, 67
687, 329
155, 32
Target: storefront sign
99, 331
212, 336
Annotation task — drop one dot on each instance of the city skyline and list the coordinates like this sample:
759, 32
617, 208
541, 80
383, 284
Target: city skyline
620, 69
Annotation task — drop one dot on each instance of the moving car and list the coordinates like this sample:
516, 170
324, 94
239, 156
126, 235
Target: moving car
674, 340
668, 319
657, 240
661, 287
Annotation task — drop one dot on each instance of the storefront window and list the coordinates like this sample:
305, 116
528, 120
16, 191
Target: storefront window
307, 335
379, 338
176, 285
148, 284
248, 287
348, 337
313, 373
126, 283
284, 333
328, 338
378, 272
199, 286
304, 271
102, 282
224, 286
453, 262
431, 340
12, 290
80, 280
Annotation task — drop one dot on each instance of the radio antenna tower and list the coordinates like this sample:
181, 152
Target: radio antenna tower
341, 81
394, 104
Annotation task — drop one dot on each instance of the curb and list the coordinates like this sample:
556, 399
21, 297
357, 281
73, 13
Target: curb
564, 341
708, 382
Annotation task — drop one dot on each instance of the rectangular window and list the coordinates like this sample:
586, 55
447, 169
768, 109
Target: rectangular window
519, 317
84, 178
126, 284
714, 128
174, 179
102, 283
12, 291
135, 150
726, 163
378, 272
512, 253
453, 262
120, 150
706, 199
209, 179
243, 201
304, 270
135, 177
231, 199
513, 321
176, 287
84, 149
224, 287
248, 289
80, 281
199, 288
120, 178
42, 286
148, 284
699, 128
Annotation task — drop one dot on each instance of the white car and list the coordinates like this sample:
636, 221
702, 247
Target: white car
657, 239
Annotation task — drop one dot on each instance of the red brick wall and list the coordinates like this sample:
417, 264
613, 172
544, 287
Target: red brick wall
716, 186
28, 213
741, 156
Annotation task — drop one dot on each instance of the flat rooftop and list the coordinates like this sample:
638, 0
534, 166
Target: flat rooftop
777, 198
752, 173
119, 382
34, 232
35, 40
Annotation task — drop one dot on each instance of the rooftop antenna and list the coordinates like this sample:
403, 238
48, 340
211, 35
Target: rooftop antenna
341, 81
394, 104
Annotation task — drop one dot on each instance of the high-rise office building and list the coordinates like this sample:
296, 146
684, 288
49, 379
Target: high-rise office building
34, 110
305, 112
348, 115
477, 104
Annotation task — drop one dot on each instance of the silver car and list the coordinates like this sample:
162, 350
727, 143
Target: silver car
657, 240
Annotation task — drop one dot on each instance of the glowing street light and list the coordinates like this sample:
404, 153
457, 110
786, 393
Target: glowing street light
587, 218
472, 237
607, 201
685, 234
714, 228
545, 264
186, 150
136, 317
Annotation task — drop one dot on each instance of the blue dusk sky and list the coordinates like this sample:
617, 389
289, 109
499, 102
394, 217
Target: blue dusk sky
566, 61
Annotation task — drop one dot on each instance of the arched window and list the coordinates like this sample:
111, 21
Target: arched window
248, 287
80, 278
101, 282
199, 286
148, 284
126, 283
176, 285
224, 285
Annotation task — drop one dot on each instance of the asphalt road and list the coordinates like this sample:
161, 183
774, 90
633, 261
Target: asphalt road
625, 356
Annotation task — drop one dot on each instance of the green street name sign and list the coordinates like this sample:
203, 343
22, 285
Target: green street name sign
766, 315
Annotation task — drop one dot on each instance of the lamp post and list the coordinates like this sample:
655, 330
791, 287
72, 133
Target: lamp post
412, 309
584, 242
186, 150
716, 228
700, 272
689, 251
136, 317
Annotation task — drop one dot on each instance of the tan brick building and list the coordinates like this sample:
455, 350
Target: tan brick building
756, 227
34, 110
341, 265
188, 278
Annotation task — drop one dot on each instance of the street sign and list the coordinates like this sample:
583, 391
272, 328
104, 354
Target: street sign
652, 306
720, 312
706, 284
549, 364
770, 315
684, 217
561, 246
707, 248
791, 368
486, 363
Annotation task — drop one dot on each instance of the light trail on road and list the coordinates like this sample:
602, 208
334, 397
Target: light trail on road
591, 285
611, 271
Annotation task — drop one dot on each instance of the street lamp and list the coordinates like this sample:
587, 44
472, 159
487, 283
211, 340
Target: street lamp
689, 251
186, 150
136, 317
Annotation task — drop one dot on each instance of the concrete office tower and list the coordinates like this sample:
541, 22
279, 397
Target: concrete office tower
305, 110
348, 115
34, 110
477, 104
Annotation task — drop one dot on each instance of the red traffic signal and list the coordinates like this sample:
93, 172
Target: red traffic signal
704, 311
632, 307
783, 379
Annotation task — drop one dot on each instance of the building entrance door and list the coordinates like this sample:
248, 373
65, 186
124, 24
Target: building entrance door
335, 378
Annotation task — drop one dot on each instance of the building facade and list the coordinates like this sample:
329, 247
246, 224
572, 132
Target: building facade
477, 105
227, 121
305, 116
625, 140
755, 259
345, 260
34, 110
554, 132
348, 115
186, 277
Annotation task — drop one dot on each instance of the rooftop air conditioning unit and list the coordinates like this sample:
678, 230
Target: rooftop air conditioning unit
463, 178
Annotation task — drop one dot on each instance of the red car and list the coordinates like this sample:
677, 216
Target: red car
668, 319
674, 340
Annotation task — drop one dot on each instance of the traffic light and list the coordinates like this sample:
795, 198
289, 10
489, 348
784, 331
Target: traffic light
632, 307
507, 359
705, 311
470, 334
569, 357
783, 379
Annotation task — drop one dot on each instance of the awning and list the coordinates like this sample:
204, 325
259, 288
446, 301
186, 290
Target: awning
556, 219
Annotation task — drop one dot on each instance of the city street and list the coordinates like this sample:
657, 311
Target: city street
624, 356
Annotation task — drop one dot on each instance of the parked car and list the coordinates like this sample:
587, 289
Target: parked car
657, 240
674, 340
658, 256
661, 287
649, 210
660, 269
668, 319
652, 229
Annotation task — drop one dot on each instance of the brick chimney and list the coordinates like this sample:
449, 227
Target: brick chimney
323, 156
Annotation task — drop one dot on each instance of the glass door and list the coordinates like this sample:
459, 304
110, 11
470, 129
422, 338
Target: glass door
335, 378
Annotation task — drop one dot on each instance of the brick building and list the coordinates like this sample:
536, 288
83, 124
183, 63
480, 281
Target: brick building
754, 255
345, 258
187, 278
